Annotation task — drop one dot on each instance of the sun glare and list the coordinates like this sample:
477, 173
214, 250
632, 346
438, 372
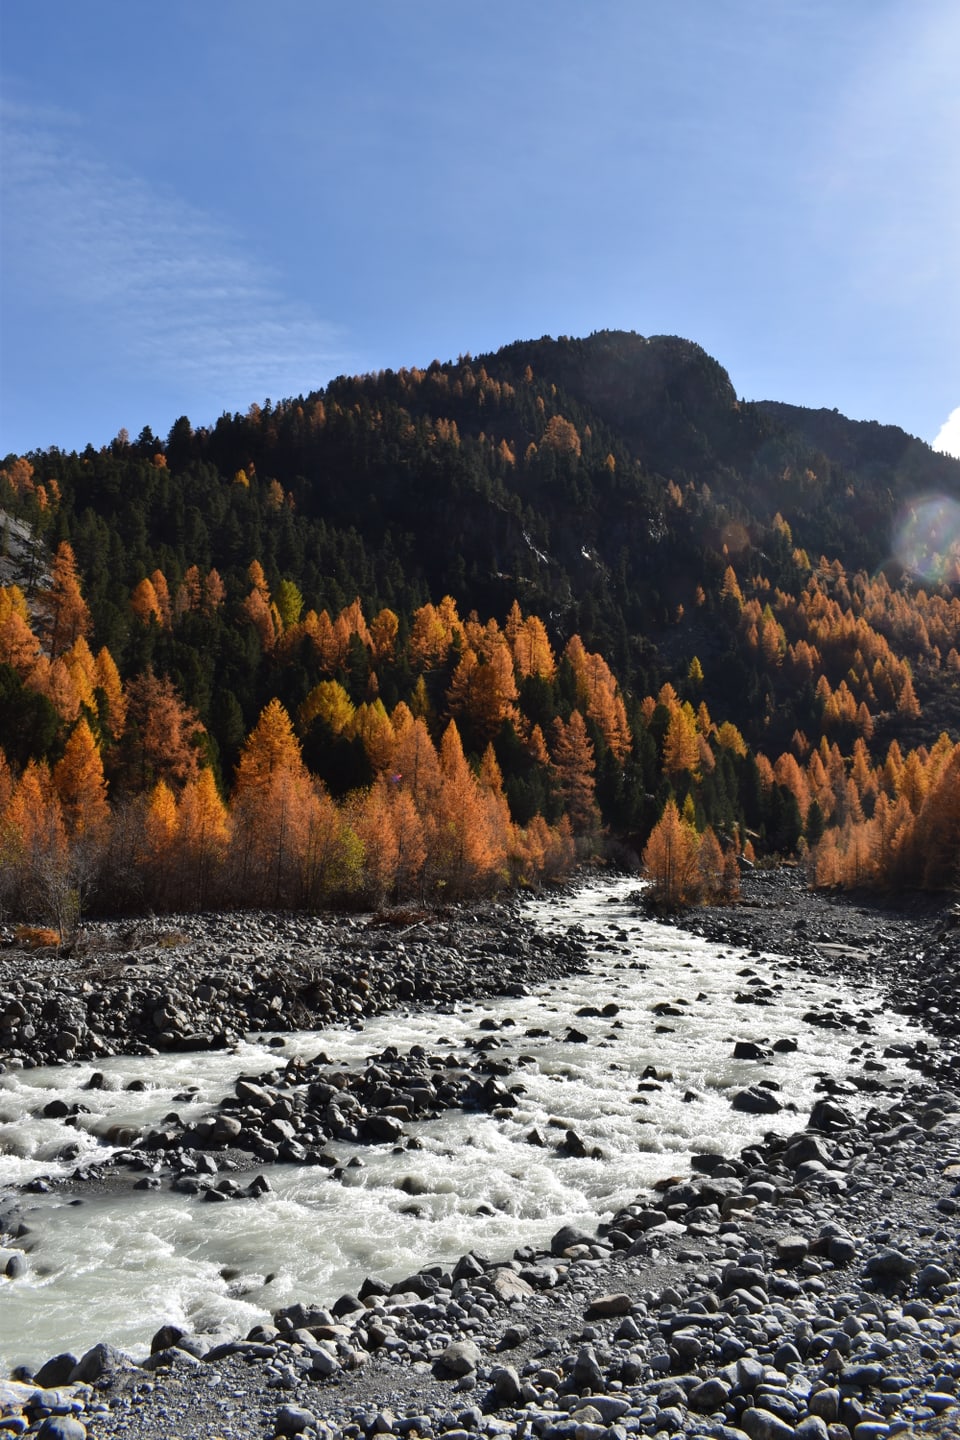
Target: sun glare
927, 539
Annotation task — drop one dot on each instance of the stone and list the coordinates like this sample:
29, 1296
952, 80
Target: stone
459, 1358
812, 1427
830, 1117
791, 1249
291, 1420
605, 1306
381, 1129
56, 1371
842, 1249
825, 1403
507, 1285
933, 1277
756, 1101
505, 1388
586, 1373
99, 1362
16, 1266
322, 1363
709, 1395
62, 1427
764, 1425
889, 1265
567, 1237
166, 1338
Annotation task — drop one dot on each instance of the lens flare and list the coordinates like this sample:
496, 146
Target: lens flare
927, 539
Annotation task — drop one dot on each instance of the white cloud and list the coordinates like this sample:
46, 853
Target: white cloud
947, 437
174, 294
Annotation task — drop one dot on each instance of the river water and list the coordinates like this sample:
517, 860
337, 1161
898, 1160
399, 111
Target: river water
117, 1264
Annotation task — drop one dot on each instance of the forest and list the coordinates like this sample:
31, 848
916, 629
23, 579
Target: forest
426, 633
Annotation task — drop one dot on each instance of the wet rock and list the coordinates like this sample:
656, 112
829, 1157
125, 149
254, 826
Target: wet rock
98, 1363
756, 1101
567, 1237
56, 1371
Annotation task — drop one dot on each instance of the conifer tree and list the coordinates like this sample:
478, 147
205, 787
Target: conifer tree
574, 765
81, 786
670, 859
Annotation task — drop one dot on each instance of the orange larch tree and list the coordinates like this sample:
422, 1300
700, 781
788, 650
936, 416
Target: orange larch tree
202, 838
80, 784
574, 765
68, 614
19, 646
670, 859
161, 740
112, 709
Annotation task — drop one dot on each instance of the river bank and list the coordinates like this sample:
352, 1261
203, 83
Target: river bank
759, 1292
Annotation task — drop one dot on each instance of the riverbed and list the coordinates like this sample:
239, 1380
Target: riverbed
634, 1055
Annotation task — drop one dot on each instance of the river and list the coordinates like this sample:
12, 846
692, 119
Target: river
113, 1263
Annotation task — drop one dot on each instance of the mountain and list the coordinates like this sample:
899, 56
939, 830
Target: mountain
700, 550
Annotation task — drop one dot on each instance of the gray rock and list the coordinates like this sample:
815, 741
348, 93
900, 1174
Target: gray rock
291, 1420
933, 1277
889, 1265
825, 1403
56, 1371
505, 1386
460, 1358
830, 1117
791, 1249
322, 1363
756, 1100
62, 1427
709, 1395
605, 1306
586, 1373
98, 1362
842, 1249
812, 1427
567, 1237
764, 1425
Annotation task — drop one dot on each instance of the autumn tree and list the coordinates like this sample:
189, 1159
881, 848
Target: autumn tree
63, 602
271, 809
670, 859
681, 750
202, 830
80, 784
19, 646
157, 838
34, 853
162, 737
144, 603
574, 766
464, 853
111, 700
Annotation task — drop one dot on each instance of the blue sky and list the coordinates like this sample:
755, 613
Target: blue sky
207, 204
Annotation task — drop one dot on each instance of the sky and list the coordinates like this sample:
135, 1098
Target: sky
206, 205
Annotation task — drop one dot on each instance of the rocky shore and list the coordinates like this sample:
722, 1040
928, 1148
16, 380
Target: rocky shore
809, 1286
193, 982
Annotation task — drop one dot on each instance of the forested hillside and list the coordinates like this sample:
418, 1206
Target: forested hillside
431, 631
